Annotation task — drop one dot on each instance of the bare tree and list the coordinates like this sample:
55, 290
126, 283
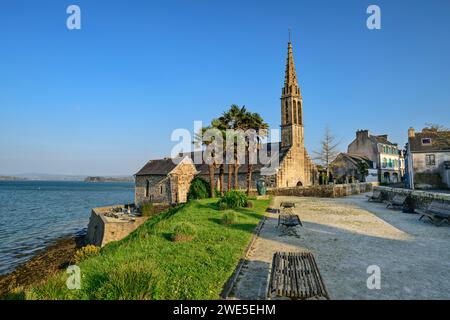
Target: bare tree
436, 127
329, 149
440, 133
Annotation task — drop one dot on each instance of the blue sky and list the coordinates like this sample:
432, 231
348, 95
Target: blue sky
104, 99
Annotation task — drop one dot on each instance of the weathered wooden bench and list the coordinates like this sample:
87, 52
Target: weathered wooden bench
296, 276
438, 212
287, 207
397, 202
376, 196
289, 220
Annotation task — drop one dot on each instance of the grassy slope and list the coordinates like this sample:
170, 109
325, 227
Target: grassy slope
147, 265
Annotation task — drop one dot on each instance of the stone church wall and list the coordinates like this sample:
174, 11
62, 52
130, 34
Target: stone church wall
159, 189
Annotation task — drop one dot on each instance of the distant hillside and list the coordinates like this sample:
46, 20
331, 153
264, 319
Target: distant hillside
10, 178
49, 177
109, 179
63, 177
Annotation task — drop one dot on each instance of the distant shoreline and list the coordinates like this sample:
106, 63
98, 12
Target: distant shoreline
108, 179
12, 178
87, 179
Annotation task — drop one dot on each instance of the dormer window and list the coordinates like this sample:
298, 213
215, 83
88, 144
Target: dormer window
426, 141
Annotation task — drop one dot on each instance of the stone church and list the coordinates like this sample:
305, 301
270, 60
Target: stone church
164, 181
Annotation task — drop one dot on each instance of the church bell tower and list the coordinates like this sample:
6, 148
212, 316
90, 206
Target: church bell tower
291, 107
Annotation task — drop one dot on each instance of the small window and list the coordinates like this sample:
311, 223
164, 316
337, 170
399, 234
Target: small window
147, 189
161, 190
430, 160
286, 110
426, 141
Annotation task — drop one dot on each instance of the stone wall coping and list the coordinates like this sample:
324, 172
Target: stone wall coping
344, 185
417, 193
100, 211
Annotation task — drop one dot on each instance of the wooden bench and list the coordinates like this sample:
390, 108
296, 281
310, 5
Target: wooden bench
397, 202
438, 212
287, 207
295, 276
376, 196
289, 220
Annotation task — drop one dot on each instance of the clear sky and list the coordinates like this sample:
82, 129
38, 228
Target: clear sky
104, 99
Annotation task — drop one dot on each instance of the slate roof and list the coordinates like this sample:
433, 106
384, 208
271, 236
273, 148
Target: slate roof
355, 158
157, 167
382, 139
164, 166
440, 141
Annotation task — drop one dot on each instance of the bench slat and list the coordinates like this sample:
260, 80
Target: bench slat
296, 275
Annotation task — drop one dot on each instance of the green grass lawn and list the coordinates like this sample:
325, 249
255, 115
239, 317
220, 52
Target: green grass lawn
148, 265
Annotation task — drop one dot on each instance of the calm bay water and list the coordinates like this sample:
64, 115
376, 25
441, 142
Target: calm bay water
34, 213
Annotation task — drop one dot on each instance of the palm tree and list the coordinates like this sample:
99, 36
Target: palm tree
221, 125
211, 166
253, 121
233, 118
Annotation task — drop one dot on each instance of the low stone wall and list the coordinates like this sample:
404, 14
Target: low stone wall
103, 229
417, 199
323, 191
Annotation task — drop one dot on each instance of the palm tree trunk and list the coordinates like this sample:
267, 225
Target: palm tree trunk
249, 179
221, 176
249, 172
236, 176
211, 179
230, 176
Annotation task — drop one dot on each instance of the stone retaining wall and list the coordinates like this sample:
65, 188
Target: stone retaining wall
417, 199
103, 229
323, 191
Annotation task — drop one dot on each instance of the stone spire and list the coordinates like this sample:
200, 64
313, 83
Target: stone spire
290, 78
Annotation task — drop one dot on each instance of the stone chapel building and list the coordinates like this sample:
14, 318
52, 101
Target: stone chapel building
164, 181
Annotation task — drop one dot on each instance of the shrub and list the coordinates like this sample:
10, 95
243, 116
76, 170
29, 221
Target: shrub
222, 205
229, 217
183, 231
129, 281
199, 189
147, 209
234, 199
86, 252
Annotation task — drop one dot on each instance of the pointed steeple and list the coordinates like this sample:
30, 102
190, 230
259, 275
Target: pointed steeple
291, 106
291, 87
290, 78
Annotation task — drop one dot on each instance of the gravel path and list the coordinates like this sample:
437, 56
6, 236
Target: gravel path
346, 236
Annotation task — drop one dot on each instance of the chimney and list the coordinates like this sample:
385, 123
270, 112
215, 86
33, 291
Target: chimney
362, 134
411, 133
